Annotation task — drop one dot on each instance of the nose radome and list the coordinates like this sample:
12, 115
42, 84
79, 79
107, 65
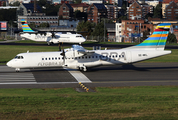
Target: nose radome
9, 64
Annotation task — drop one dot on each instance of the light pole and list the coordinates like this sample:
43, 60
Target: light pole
104, 30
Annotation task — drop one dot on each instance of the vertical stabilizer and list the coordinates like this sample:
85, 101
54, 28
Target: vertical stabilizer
157, 40
25, 26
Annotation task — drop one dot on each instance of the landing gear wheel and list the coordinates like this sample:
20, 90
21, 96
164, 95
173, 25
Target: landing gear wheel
48, 43
83, 68
17, 69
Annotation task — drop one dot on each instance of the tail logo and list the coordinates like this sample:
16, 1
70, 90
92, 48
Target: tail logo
158, 38
25, 26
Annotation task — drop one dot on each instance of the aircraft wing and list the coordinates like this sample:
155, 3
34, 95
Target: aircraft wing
77, 51
82, 50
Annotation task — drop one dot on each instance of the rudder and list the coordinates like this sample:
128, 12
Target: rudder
25, 26
158, 39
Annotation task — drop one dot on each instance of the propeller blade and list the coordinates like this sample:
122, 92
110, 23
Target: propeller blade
64, 57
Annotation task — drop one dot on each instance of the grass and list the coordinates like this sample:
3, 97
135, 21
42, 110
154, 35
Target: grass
173, 57
30, 41
125, 103
8, 52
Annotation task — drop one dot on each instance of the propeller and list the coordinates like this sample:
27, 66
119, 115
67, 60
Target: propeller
64, 56
53, 34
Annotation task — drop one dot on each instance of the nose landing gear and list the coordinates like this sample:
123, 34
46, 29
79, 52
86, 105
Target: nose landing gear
17, 69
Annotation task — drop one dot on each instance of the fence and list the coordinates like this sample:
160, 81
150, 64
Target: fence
100, 38
8, 36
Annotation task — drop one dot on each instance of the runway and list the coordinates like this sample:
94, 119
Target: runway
139, 74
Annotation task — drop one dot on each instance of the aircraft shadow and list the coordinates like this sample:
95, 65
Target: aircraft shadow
128, 67
46, 69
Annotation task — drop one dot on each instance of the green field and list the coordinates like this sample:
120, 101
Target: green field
125, 103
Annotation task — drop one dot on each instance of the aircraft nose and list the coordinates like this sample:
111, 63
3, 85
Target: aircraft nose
84, 39
9, 64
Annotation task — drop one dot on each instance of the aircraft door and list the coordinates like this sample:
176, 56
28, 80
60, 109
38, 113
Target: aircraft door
129, 57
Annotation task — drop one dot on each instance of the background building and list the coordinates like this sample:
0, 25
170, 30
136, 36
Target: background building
65, 11
96, 11
37, 20
135, 11
132, 29
29, 9
112, 11
171, 11
118, 32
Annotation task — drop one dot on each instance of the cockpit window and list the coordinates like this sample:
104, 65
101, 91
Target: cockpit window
19, 57
78, 36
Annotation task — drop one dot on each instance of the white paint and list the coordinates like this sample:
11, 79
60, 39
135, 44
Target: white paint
80, 77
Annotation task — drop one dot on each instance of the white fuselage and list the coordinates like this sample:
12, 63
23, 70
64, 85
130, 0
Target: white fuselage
58, 38
72, 60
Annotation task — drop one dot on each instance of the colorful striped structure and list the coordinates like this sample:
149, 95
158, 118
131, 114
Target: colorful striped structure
158, 38
25, 26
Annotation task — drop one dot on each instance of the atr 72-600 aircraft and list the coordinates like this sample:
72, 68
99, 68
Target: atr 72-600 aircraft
50, 37
79, 58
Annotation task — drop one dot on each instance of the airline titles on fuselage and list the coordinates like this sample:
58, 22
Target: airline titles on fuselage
104, 56
49, 64
38, 36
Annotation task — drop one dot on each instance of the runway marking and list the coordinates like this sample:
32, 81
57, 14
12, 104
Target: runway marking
35, 83
80, 77
7, 75
10, 83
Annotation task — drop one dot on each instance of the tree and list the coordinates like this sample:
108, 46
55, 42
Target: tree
77, 1
8, 15
44, 25
171, 38
122, 18
157, 11
85, 28
17, 3
32, 25
99, 30
106, 20
42, 3
148, 15
50, 10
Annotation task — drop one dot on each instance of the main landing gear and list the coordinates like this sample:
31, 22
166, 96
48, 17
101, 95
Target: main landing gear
59, 45
82, 68
50, 43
